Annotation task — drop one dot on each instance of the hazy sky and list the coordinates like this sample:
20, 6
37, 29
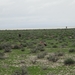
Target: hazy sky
36, 14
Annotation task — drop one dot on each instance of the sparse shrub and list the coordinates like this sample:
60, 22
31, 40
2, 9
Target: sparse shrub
63, 46
7, 49
72, 50
52, 58
16, 47
40, 48
1, 55
22, 62
44, 67
69, 61
59, 53
24, 44
41, 55
4, 44
51, 43
33, 61
45, 53
1, 46
51, 74
21, 71
30, 45
34, 50
23, 49
60, 41
73, 44
55, 46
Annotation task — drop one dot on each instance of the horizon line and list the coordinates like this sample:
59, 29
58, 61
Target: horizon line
37, 28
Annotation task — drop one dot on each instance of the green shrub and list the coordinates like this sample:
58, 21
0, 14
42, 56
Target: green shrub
34, 50
16, 47
1, 55
72, 50
24, 44
41, 55
1, 46
59, 53
54, 46
21, 71
40, 48
23, 49
4, 44
69, 61
33, 61
30, 44
52, 58
7, 49
44, 67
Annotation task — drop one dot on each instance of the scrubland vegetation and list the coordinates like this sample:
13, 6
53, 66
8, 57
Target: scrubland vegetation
37, 52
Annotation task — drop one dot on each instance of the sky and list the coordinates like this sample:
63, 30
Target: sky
37, 14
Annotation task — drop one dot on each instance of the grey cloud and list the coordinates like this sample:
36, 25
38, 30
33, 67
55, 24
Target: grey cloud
37, 13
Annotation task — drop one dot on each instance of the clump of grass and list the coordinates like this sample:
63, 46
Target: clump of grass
69, 61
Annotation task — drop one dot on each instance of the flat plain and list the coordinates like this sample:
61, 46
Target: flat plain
37, 52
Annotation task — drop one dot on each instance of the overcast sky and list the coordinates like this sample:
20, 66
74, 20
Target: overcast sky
16, 14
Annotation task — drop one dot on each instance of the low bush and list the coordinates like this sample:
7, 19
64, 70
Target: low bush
34, 50
54, 46
4, 44
71, 50
33, 61
69, 61
1, 55
44, 67
40, 48
16, 47
7, 49
41, 55
1, 46
24, 44
59, 53
23, 49
52, 58
21, 71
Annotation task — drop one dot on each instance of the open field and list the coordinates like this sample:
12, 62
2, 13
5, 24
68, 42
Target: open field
37, 52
